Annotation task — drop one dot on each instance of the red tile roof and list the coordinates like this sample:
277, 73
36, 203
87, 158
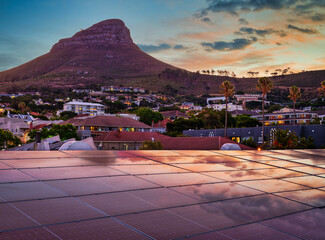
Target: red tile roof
174, 113
162, 124
39, 126
106, 121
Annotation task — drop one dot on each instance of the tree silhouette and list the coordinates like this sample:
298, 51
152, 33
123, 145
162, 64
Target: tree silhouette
265, 85
294, 95
321, 90
227, 89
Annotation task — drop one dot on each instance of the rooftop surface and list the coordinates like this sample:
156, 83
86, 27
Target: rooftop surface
162, 195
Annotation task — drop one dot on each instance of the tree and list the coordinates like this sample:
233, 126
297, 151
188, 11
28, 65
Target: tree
321, 90
148, 116
8, 140
294, 95
64, 131
246, 121
283, 139
65, 115
176, 128
265, 85
227, 89
151, 145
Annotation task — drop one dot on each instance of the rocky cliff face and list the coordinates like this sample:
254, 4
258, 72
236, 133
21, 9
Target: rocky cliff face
107, 33
102, 52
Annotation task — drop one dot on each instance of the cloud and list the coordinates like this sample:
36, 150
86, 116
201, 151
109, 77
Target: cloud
179, 47
154, 48
318, 17
260, 32
236, 44
161, 47
206, 19
303, 30
242, 21
233, 6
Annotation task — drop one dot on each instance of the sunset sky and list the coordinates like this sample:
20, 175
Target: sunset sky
235, 35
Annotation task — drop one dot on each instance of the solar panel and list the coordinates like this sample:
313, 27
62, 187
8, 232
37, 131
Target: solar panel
309, 181
30, 233
272, 185
118, 203
257, 208
216, 191
13, 175
178, 179
148, 169
311, 197
163, 224
255, 231
71, 172
27, 191
306, 225
49, 211
95, 229
162, 194
12, 218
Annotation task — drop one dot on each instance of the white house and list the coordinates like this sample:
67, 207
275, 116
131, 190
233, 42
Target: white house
92, 109
231, 107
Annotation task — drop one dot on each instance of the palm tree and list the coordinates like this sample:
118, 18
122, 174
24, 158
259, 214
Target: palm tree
227, 89
294, 95
321, 90
265, 85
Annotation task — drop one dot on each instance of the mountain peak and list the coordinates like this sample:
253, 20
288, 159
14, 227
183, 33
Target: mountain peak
103, 34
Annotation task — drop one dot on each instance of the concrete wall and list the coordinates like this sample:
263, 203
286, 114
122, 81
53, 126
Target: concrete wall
317, 132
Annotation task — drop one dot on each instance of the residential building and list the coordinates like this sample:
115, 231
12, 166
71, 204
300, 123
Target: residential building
92, 109
92, 125
26, 117
17, 126
286, 117
231, 107
249, 97
215, 99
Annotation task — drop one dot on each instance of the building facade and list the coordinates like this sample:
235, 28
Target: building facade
92, 109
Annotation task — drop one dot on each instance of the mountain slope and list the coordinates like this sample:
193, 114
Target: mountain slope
103, 51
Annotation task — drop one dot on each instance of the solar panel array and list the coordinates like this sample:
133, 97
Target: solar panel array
162, 195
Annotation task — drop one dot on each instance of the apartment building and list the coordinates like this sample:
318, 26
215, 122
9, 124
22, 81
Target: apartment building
92, 109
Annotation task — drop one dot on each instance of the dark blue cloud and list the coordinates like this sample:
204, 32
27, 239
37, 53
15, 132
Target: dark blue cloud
243, 21
318, 17
303, 30
154, 48
179, 47
260, 32
236, 44
161, 47
233, 6
206, 19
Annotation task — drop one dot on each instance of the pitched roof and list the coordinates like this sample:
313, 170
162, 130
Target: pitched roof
106, 121
174, 113
162, 124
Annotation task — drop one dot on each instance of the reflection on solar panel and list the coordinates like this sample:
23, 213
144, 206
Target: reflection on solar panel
162, 195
